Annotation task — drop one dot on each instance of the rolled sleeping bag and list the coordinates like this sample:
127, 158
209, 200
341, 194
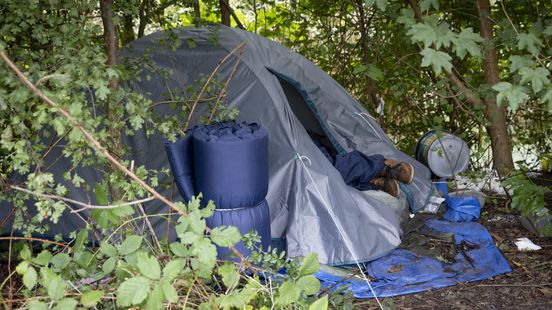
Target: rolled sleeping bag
181, 161
231, 164
245, 219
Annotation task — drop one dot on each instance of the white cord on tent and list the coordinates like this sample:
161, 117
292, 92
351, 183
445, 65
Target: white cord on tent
361, 114
347, 243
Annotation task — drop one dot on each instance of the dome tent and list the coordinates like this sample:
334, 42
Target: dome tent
310, 205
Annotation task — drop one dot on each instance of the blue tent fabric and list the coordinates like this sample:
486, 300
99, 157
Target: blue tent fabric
403, 272
231, 166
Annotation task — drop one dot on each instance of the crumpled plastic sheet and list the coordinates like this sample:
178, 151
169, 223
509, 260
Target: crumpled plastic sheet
459, 209
402, 272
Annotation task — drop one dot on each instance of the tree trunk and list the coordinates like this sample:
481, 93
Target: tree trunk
371, 91
110, 33
114, 142
127, 33
224, 13
496, 115
197, 12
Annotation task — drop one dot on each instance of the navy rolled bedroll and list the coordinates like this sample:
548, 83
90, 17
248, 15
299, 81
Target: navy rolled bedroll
228, 163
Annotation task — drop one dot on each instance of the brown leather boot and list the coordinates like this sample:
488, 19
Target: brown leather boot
392, 187
400, 171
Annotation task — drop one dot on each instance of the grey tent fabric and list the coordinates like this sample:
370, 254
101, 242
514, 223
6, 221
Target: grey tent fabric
310, 205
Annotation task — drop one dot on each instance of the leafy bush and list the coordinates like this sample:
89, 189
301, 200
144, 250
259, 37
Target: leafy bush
133, 272
528, 197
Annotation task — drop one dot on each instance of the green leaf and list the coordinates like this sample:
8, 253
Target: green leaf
133, 291
58, 126
467, 42
108, 249
81, 240
407, 18
197, 224
66, 304
189, 237
422, 33
30, 277
515, 94
225, 236
445, 36
122, 211
320, 304
169, 291
60, 261
230, 276
519, 62
381, 5
148, 266
548, 30
309, 284
55, 286
502, 86
529, 42
91, 298
425, 5
309, 266
205, 251
547, 97
43, 258
22, 267
437, 60
173, 269
25, 253
102, 91
131, 244
374, 72
37, 305
537, 77
155, 298
101, 194
180, 249
109, 265
288, 293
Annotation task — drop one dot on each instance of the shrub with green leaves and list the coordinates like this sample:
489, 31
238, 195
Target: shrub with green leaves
133, 272
528, 197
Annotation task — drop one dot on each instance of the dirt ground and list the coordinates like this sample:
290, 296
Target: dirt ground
528, 286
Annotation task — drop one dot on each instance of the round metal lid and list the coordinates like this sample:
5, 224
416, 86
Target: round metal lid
448, 156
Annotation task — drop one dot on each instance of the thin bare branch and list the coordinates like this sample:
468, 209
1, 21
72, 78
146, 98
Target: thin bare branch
85, 206
208, 81
225, 87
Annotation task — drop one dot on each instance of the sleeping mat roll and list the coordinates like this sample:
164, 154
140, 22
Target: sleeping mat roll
181, 161
246, 219
231, 164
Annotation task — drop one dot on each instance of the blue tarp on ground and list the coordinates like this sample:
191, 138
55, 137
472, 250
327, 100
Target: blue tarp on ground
402, 272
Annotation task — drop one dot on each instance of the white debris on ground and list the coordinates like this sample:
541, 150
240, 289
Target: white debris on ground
488, 183
524, 244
